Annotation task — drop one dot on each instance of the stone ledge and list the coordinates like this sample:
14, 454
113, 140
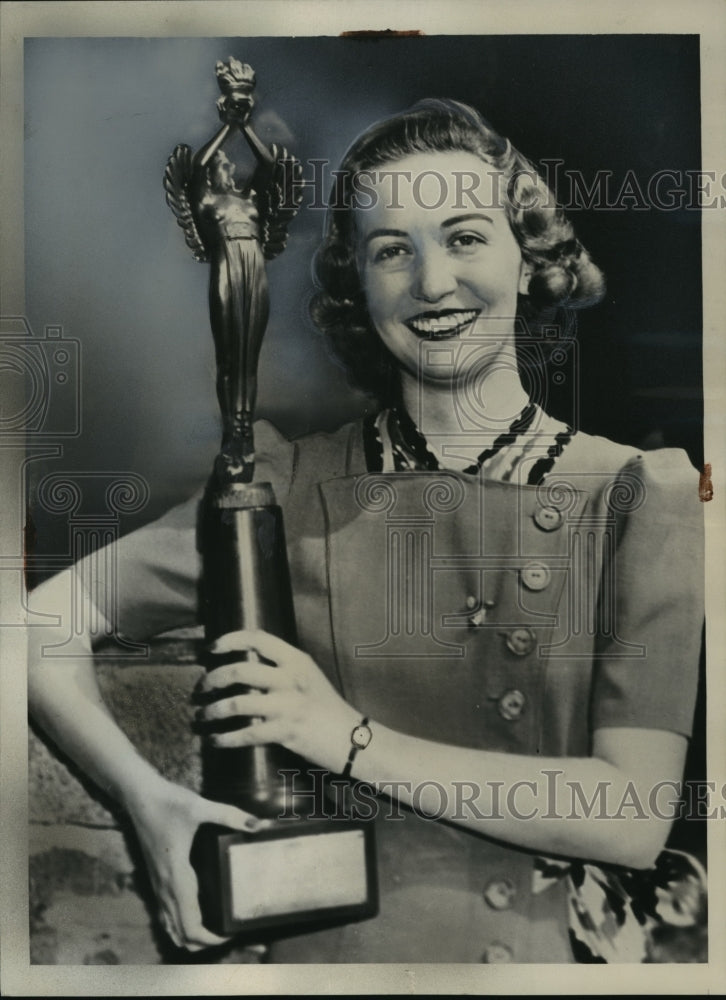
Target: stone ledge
152, 704
89, 905
85, 905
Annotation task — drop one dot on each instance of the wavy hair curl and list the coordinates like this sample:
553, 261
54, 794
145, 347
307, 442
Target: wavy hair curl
563, 276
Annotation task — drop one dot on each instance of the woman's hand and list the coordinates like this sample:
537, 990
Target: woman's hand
166, 820
293, 702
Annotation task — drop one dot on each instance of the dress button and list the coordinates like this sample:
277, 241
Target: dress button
547, 518
500, 893
535, 575
511, 705
497, 953
521, 641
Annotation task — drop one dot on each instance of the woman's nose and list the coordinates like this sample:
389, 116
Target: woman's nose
434, 277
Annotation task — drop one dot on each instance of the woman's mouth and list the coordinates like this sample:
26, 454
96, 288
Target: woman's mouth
443, 324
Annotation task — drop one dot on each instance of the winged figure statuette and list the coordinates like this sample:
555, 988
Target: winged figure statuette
235, 226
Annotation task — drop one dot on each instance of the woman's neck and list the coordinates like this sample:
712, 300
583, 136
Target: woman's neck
454, 414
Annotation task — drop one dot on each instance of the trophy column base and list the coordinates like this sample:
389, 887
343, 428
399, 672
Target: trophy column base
307, 867
315, 871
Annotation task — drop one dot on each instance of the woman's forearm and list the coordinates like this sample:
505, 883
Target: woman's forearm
600, 807
577, 807
65, 699
66, 702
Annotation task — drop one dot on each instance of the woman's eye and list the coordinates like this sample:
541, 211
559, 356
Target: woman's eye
467, 240
390, 253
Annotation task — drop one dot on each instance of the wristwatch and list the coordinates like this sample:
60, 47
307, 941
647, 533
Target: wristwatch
360, 737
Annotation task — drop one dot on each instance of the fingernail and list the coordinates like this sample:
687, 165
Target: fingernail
253, 825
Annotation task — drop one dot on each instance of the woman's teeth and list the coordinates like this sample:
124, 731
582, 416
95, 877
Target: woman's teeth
445, 325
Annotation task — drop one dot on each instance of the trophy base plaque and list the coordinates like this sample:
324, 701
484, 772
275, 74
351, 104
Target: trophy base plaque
320, 872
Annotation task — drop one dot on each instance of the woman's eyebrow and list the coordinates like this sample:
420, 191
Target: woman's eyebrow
384, 232
469, 217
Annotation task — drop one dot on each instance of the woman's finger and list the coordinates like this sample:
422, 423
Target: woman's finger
270, 646
261, 705
257, 675
235, 819
262, 732
170, 915
195, 935
169, 928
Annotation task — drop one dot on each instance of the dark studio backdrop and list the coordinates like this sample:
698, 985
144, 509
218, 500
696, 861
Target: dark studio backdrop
106, 262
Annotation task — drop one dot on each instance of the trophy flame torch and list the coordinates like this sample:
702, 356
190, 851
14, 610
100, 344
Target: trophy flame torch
278, 876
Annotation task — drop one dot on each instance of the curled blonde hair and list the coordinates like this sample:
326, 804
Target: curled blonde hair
563, 276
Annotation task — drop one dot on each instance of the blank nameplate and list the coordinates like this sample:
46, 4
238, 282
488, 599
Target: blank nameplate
297, 874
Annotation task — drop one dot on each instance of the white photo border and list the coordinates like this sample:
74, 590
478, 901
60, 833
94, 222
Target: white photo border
302, 17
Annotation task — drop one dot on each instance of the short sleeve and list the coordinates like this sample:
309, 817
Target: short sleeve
652, 597
148, 581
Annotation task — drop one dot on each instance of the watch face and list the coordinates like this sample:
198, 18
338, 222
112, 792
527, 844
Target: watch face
361, 737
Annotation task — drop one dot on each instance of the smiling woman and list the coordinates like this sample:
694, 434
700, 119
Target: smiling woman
467, 192
432, 274
488, 599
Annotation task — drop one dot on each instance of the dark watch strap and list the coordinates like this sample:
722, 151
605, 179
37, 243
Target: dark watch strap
355, 747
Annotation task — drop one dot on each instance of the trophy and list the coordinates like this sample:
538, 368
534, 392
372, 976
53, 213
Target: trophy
307, 866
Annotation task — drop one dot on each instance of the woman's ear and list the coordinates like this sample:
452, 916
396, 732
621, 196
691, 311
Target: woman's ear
525, 274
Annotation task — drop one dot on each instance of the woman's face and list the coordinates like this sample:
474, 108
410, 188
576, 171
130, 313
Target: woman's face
437, 264
222, 172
